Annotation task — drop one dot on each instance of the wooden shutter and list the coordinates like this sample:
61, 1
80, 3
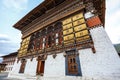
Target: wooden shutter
40, 67
22, 67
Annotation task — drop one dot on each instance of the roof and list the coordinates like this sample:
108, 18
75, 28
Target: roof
2, 64
46, 5
117, 47
37, 12
11, 54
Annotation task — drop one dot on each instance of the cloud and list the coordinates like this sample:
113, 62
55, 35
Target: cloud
7, 45
4, 38
112, 20
15, 4
112, 5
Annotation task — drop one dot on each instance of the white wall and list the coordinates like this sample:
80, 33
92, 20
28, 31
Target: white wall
55, 67
105, 62
102, 65
15, 69
30, 69
31, 66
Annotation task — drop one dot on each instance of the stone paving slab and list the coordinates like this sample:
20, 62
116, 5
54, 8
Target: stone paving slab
3, 76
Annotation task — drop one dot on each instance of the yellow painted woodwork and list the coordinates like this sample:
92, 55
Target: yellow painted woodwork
78, 22
68, 31
80, 27
82, 38
69, 42
24, 46
67, 26
69, 37
67, 21
81, 33
78, 16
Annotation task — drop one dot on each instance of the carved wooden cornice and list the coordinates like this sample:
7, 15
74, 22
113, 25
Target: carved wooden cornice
57, 15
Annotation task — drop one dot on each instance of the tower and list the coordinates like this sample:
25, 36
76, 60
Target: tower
66, 40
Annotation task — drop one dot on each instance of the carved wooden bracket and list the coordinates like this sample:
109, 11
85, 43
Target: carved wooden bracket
64, 54
22, 60
42, 57
18, 60
93, 50
31, 59
54, 56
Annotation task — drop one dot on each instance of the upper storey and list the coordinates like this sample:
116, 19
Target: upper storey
45, 13
40, 11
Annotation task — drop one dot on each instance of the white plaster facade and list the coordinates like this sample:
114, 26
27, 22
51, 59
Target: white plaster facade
10, 63
102, 65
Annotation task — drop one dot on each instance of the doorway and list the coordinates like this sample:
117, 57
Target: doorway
22, 67
40, 67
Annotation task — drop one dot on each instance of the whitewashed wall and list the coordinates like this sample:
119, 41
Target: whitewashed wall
29, 72
15, 69
31, 67
102, 65
105, 62
55, 67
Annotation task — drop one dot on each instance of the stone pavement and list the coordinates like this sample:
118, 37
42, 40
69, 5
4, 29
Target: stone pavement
3, 76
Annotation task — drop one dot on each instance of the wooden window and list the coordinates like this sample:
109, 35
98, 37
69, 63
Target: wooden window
58, 26
72, 64
49, 41
41, 43
56, 36
60, 37
37, 44
40, 67
22, 67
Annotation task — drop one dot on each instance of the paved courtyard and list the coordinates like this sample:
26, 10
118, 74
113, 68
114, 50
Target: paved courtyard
3, 76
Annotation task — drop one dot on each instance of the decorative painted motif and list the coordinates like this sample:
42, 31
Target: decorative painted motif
24, 47
78, 16
67, 26
67, 21
80, 27
75, 29
69, 37
81, 33
94, 21
68, 31
78, 22
83, 38
69, 42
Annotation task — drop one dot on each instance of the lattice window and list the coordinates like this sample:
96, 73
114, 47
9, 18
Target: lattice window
72, 63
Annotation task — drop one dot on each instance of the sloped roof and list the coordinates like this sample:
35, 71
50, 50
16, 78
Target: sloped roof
11, 54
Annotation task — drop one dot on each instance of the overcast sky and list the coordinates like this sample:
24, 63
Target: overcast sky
12, 11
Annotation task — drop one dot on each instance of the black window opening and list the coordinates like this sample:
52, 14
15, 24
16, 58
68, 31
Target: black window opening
49, 41
58, 26
72, 64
